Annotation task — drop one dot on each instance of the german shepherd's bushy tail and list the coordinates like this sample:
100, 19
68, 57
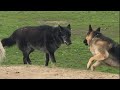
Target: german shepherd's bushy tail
2, 52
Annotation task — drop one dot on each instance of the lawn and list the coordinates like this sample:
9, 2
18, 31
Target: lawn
73, 56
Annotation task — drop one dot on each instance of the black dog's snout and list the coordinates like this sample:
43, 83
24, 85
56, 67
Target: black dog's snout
70, 43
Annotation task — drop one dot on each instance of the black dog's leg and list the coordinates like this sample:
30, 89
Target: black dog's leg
47, 59
22, 47
52, 57
26, 53
26, 50
28, 59
25, 57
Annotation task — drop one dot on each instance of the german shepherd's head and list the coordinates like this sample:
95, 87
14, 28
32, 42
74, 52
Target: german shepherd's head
91, 34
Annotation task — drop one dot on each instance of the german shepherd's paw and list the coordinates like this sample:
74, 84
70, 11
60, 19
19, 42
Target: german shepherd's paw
92, 68
88, 65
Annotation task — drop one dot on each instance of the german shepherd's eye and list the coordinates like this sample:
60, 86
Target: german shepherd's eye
88, 33
96, 34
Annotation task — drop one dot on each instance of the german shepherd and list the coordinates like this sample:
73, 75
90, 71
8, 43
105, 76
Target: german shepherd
46, 38
104, 49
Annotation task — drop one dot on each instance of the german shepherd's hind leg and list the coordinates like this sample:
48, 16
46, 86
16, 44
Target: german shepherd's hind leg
97, 63
47, 59
97, 57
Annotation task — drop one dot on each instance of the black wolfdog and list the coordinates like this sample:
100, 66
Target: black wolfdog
46, 38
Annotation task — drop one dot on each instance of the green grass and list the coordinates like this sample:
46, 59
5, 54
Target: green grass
74, 56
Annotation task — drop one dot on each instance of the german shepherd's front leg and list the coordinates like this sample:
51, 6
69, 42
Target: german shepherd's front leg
90, 62
97, 57
97, 63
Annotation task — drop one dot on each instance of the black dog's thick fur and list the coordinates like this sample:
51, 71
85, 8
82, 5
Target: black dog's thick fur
46, 38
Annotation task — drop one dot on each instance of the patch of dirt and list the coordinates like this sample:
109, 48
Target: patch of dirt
42, 72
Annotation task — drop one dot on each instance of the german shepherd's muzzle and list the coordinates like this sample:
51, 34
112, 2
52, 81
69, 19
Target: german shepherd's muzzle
85, 42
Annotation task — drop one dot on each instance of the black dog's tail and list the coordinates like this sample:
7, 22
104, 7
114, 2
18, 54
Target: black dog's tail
8, 41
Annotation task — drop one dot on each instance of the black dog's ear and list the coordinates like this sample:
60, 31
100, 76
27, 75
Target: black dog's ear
69, 26
61, 28
98, 29
90, 28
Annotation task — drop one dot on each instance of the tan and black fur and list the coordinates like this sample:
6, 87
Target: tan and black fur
104, 49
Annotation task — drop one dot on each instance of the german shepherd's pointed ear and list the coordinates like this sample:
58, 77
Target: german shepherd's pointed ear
69, 26
98, 29
90, 28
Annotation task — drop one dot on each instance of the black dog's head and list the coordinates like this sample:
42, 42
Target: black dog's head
65, 33
91, 34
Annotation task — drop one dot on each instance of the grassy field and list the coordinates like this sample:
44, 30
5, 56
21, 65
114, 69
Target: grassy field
74, 56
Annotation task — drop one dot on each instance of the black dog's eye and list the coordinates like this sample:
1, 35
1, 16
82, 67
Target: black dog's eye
64, 36
69, 35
